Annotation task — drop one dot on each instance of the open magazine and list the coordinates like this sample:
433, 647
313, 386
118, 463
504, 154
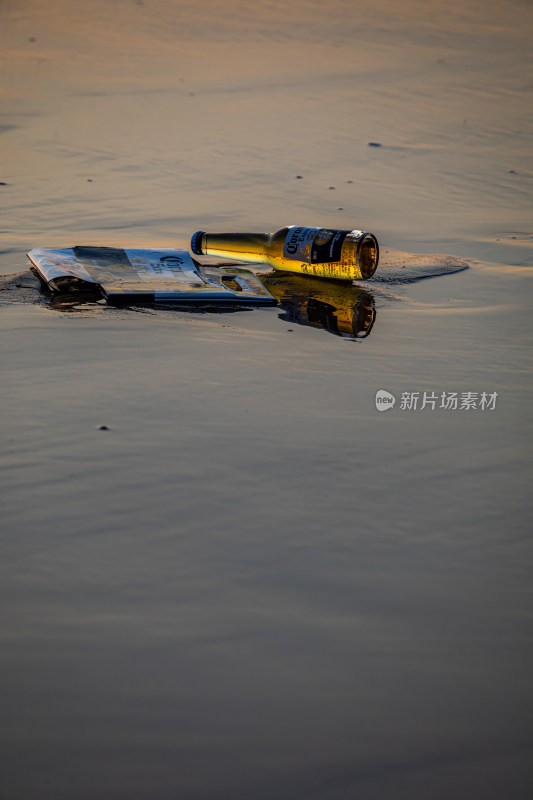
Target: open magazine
145, 276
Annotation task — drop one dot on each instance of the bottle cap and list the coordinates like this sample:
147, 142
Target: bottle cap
196, 242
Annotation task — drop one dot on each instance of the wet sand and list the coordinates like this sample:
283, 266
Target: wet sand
225, 573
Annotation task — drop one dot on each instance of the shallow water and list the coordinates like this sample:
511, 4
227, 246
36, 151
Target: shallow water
253, 583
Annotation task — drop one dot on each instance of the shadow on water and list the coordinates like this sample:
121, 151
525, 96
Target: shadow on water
337, 307
72, 302
81, 296
342, 308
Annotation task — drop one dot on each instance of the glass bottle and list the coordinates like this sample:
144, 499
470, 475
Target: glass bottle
322, 252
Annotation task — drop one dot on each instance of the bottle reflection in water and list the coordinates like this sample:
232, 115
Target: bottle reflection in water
335, 306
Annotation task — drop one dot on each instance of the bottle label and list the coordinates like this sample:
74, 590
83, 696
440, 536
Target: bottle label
314, 245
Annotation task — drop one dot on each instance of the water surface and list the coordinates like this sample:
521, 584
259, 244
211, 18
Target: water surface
253, 583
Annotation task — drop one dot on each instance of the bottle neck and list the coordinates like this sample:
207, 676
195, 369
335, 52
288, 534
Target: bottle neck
240, 246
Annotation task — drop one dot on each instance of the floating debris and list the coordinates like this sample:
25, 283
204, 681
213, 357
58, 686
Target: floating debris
338, 254
125, 276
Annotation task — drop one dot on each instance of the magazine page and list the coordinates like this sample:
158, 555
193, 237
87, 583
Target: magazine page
59, 268
145, 275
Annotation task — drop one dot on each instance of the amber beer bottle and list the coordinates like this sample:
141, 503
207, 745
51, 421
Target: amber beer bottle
323, 252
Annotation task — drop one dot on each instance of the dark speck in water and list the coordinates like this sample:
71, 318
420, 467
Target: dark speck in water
299, 177
103, 428
374, 144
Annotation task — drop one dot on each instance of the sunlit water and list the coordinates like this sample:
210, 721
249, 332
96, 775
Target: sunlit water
252, 583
